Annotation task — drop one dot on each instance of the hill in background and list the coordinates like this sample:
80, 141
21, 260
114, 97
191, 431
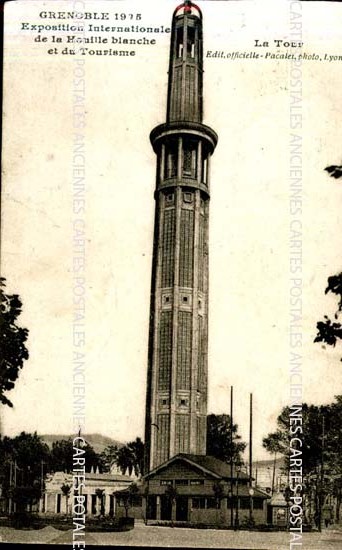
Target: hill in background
269, 463
98, 441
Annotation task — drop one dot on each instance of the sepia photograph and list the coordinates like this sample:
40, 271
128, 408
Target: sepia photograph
171, 280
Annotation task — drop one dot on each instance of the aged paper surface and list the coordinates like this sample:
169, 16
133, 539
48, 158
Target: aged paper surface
80, 254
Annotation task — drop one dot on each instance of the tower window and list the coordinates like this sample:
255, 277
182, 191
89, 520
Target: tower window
171, 160
185, 298
190, 159
187, 197
179, 44
205, 170
183, 402
191, 42
169, 198
165, 350
171, 164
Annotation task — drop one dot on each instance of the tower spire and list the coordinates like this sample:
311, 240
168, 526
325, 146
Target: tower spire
176, 403
185, 86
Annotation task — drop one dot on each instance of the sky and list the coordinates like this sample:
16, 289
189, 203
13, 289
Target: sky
247, 102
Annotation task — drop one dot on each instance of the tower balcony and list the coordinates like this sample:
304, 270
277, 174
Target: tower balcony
183, 155
195, 130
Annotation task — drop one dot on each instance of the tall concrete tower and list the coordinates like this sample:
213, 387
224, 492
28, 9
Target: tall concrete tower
177, 384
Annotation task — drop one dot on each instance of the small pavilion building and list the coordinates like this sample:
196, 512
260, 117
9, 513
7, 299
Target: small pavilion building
199, 489
99, 492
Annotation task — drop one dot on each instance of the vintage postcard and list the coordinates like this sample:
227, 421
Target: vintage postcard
171, 276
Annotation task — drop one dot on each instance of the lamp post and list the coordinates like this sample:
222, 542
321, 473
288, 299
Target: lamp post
238, 470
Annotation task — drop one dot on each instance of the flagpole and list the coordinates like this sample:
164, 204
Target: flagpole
231, 457
250, 456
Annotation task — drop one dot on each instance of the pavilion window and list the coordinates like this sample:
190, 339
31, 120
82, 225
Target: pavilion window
111, 505
93, 504
198, 503
196, 481
245, 503
258, 503
212, 503
182, 482
136, 501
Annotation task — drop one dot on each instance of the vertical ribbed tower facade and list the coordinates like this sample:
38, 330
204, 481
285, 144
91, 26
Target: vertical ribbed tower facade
177, 385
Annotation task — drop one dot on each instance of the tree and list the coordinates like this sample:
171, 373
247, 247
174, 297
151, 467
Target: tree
334, 171
274, 443
130, 457
129, 497
329, 331
218, 439
66, 489
92, 459
109, 457
124, 460
311, 444
320, 450
12, 342
28, 451
61, 456
137, 449
24, 497
22, 458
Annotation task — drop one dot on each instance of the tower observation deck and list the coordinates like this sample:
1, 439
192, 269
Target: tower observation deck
177, 382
